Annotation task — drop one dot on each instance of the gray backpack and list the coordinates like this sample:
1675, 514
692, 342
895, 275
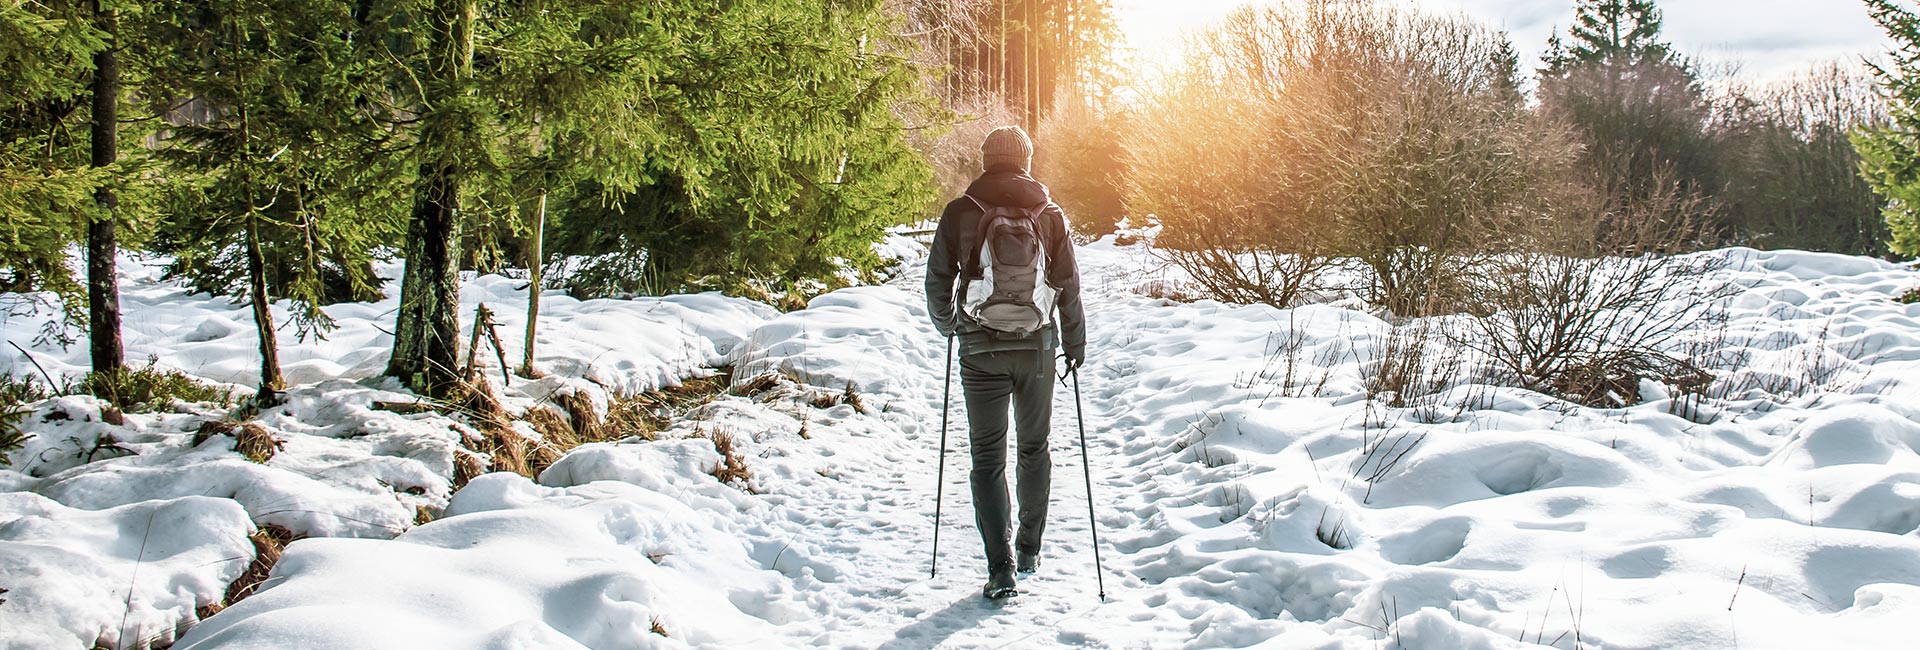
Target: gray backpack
1004, 286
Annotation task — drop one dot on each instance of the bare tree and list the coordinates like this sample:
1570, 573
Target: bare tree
1295, 136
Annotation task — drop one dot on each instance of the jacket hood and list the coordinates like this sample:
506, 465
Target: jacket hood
1007, 187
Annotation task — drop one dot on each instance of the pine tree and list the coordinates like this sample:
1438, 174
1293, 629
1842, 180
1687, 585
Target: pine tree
1891, 154
103, 240
46, 184
1640, 107
56, 187
273, 195
1610, 31
757, 188
751, 140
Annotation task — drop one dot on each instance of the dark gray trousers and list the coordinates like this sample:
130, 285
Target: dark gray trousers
990, 380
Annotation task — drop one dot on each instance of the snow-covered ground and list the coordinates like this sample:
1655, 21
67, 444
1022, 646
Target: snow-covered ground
1235, 508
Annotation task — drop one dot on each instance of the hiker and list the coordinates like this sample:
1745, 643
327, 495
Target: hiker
1010, 309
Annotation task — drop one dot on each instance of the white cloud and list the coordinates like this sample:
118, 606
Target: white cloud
1771, 38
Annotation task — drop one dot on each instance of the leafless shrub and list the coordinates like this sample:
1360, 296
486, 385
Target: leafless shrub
1595, 300
1076, 150
1298, 136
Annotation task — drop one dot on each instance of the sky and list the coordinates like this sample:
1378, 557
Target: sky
1770, 39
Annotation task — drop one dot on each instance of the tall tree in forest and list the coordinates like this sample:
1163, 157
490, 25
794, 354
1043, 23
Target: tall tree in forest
103, 247
275, 194
756, 188
453, 130
1891, 153
1640, 107
63, 64
1608, 31
46, 181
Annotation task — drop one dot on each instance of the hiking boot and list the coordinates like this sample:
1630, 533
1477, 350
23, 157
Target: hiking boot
1029, 562
1000, 584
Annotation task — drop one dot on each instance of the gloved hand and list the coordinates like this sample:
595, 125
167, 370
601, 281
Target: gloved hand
1071, 360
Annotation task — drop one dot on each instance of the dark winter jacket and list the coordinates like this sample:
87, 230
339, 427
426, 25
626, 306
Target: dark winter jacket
958, 236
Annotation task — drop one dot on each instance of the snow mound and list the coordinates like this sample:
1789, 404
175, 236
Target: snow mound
129, 576
601, 565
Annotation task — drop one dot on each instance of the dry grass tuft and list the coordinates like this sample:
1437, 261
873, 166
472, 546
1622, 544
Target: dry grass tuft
211, 428
658, 628
510, 452
851, 398
256, 443
251, 440
553, 427
586, 423
466, 467
269, 541
733, 467
422, 516
761, 383
632, 417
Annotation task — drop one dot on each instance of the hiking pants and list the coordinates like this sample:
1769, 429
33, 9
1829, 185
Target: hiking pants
989, 380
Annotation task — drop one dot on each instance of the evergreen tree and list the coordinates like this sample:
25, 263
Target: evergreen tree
62, 60
755, 187
1891, 154
46, 185
1640, 108
749, 141
274, 196
1608, 31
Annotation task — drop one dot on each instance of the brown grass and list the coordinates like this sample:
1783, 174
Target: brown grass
759, 384
251, 440
658, 628
256, 443
851, 398
581, 415
467, 466
269, 541
733, 467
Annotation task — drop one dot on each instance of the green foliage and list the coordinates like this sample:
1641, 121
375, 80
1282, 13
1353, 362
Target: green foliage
1609, 32
46, 188
778, 158
1890, 154
1641, 110
1912, 296
149, 388
15, 394
282, 113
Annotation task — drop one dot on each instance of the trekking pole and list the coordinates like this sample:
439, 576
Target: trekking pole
940, 482
1093, 525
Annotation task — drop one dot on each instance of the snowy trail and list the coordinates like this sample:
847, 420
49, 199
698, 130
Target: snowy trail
879, 518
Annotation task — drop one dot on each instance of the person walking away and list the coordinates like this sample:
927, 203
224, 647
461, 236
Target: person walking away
1002, 280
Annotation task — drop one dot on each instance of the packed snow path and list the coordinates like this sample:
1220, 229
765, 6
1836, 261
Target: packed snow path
1248, 491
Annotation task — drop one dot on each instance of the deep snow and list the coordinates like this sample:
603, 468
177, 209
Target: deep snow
1236, 507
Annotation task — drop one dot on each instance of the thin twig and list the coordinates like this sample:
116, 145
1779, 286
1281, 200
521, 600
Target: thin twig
36, 364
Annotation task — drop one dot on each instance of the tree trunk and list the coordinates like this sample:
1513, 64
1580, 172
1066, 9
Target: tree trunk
425, 345
271, 381
535, 261
426, 336
103, 287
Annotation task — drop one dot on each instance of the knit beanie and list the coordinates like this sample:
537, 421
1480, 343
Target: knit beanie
1008, 145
